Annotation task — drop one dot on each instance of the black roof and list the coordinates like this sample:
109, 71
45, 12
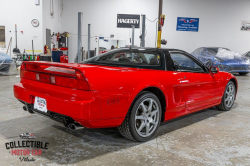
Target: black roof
148, 48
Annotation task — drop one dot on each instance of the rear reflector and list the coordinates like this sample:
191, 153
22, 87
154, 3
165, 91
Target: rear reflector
70, 78
37, 77
52, 79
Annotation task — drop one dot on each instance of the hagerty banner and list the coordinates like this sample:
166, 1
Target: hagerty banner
127, 20
187, 24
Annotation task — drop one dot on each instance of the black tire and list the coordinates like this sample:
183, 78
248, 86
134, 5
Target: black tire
223, 105
209, 64
128, 127
243, 74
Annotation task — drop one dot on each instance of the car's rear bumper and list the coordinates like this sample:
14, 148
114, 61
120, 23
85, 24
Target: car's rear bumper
82, 106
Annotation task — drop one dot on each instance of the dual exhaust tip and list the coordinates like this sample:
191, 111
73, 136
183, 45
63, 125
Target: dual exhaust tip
71, 126
75, 126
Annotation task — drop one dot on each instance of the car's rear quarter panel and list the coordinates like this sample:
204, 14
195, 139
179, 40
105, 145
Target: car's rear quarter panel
124, 84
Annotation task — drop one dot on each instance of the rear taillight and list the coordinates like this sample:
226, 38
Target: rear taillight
22, 66
22, 69
71, 78
51, 69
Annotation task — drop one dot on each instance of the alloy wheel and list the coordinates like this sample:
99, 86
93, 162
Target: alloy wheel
147, 117
230, 96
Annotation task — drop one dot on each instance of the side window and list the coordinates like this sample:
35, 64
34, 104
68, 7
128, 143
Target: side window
140, 58
204, 52
248, 54
197, 51
185, 63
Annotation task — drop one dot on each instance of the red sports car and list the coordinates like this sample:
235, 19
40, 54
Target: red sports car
134, 89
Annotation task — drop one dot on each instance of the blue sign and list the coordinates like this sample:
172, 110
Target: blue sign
187, 24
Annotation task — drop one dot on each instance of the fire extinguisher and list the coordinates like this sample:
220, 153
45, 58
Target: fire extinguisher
57, 37
45, 49
162, 19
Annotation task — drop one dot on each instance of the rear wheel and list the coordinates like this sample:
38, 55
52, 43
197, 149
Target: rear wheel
243, 74
143, 120
227, 101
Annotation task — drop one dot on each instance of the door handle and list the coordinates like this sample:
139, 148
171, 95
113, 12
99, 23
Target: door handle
184, 76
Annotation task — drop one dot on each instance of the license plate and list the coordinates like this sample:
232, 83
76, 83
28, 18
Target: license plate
40, 104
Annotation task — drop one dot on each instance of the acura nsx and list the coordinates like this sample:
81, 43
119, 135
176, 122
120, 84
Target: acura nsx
134, 89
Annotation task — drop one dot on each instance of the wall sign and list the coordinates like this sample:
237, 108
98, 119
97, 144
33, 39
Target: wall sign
187, 24
245, 25
127, 20
35, 23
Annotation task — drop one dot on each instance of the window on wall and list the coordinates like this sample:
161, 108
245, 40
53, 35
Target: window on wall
2, 36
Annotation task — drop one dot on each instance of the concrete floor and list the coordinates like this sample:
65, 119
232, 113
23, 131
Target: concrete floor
209, 137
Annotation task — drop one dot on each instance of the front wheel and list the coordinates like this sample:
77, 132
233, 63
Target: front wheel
143, 120
227, 101
243, 74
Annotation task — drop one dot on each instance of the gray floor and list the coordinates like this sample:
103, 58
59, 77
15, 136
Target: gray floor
209, 137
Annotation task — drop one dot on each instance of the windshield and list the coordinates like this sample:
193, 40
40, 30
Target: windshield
127, 57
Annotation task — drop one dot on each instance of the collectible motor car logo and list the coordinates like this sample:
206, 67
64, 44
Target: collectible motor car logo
27, 136
27, 148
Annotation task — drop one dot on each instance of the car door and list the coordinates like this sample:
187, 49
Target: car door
176, 106
200, 88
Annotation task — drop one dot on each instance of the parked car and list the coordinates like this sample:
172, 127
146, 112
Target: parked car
5, 63
247, 54
224, 59
134, 89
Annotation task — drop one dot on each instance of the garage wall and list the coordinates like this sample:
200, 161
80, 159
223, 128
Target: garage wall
22, 13
49, 22
219, 22
102, 16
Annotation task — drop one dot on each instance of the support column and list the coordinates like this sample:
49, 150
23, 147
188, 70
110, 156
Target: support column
133, 35
88, 41
143, 30
159, 25
79, 38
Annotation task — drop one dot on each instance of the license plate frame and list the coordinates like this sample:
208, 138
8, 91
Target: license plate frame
40, 104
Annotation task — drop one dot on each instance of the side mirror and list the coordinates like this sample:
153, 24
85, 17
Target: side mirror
214, 70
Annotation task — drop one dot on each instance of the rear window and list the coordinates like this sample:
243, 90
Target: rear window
128, 58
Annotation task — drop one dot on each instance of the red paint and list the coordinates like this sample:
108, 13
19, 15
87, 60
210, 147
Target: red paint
111, 91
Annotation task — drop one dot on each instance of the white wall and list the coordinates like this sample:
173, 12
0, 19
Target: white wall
102, 16
22, 12
111, 42
219, 22
49, 22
